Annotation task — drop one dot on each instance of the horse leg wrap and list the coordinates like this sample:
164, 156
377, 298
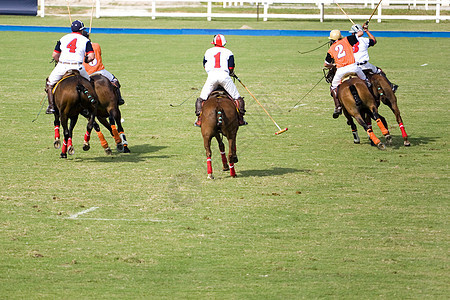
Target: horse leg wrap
123, 139
380, 124
102, 139
57, 136
232, 170
373, 137
224, 159
209, 165
69, 143
64, 147
87, 137
402, 128
116, 134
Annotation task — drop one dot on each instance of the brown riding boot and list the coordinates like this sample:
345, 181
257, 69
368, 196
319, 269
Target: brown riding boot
51, 102
116, 84
337, 104
198, 111
241, 107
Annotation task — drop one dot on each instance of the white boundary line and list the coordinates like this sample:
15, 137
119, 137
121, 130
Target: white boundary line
75, 217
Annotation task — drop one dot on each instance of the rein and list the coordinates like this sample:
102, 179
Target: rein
56, 85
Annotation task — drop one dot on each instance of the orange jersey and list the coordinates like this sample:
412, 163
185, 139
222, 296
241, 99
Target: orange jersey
342, 53
96, 64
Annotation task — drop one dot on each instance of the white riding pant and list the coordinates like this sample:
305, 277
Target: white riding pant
368, 66
61, 68
105, 73
341, 72
216, 78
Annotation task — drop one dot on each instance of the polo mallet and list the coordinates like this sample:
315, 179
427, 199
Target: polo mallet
176, 105
295, 106
68, 9
345, 13
279, 128
314, 48
367, 22
92, 15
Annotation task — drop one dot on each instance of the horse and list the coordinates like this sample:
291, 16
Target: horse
72, 94
383, 93
220, 117
107, 108
359, 103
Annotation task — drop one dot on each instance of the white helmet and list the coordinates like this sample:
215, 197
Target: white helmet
335, 35
356, 28
219, 40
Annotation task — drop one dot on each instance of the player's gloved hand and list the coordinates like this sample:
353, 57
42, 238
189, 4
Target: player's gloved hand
86, 59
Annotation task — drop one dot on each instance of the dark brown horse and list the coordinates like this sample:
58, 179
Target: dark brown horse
383, 93
108, 108
220, 117
358, 102
72, 94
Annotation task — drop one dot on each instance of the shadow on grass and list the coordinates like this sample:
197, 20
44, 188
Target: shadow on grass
397, 141
271, 172
137, 154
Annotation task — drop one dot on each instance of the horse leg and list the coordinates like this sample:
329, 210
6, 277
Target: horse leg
396, 111
382, 124
232, 157
100, 135
57, 124
207, 145
87, 137
64, 125
370, 133
352, 124
115, 133
73, 122
222, 152
115, 113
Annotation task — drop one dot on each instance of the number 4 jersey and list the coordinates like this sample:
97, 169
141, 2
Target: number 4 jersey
218, 58
73, 47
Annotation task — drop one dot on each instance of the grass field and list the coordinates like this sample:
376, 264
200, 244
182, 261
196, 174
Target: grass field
310, 215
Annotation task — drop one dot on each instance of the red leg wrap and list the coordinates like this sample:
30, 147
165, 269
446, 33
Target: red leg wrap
232, 170
57, 136
64, 147
209, 165
224, 159
87, 137
69, 142
402, 128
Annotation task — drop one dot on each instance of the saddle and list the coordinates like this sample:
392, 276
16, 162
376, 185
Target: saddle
220, 92
69, 73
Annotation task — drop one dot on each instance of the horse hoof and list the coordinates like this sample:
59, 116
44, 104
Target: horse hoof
227, 168
234, 176
406, 143
356, 142
210, 176
381, 146
108, 151
57, 143
71, 150
63, 155
119, 147
86, 147
388, 139
126, 150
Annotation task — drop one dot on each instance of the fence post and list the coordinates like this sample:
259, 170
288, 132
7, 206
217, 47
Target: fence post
379, 14
321, 11
208, 13
153, 10
42, 8
266, 8
97, 9
438, 12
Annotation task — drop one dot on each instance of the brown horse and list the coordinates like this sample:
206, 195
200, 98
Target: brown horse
72, 94
220, 116
383, 92
108, 108
358, 102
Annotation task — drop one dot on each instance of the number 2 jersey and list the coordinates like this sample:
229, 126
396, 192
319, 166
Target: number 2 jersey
73, 47
341, 52
218, 58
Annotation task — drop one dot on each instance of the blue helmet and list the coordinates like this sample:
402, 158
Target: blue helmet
77, 26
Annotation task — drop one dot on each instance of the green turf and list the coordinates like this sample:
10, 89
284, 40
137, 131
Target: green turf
310, 215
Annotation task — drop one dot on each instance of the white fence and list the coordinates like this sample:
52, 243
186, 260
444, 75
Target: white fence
149, 8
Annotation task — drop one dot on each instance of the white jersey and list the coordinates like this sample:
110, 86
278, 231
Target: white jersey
73, 47
218, 58
360, 50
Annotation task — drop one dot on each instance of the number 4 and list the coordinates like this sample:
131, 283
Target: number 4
72, 46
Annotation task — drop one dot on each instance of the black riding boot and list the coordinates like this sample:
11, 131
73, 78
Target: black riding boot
198, 111
394, 87
116, 84
241, 108
337, 104
51, 102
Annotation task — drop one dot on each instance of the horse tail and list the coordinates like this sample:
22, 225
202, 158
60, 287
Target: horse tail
219, 116
81, 89
355, 95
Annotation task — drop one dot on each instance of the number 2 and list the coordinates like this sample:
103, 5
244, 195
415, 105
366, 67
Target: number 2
340, 50
217, 57
72, 46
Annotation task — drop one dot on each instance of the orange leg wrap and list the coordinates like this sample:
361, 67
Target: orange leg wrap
373, 137
384, 130
116, 134
102, 140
